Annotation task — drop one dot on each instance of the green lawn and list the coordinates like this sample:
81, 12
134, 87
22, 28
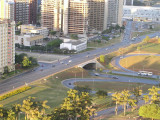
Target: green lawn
103, 44
113, 86
51, 90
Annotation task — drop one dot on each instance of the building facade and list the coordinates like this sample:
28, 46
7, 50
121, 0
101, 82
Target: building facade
115, 12
29, 40
26, 11
78, 46
7, 9
7, 45
80, 16
142, 13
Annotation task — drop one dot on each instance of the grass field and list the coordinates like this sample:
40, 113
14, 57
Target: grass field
51, 90
137, 63
103, 44
113, 86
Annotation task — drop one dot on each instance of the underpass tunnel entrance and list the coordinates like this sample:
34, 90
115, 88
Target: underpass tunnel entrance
90, 66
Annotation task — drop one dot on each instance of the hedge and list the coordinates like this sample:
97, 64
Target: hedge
15, 92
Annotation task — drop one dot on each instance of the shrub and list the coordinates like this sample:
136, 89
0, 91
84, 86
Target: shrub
15, 92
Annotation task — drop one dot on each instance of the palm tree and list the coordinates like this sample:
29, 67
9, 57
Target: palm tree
116, 97
16, 108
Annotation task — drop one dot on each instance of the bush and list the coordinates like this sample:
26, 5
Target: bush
15, 92
101, 93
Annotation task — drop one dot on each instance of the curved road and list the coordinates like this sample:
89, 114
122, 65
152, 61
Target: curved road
69, 83
117, 63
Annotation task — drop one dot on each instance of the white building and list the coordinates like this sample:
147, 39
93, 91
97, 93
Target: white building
142, 13
77, 45
29, 40
31, 29
7, 45
7, 9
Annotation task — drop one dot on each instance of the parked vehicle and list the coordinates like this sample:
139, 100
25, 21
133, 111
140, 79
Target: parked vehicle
96, 74
145, 73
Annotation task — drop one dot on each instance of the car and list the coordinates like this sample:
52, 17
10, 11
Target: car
150, 73
53, 65
70, 61
96, 74
87, 56
69, 83
66, 64
143, 73
62, 62
41, 70
115, 77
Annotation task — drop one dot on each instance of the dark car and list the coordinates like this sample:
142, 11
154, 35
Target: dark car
115, 77
69, 83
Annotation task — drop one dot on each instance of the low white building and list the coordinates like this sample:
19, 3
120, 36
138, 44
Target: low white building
31, 29
142, 13
29, 40
77, 45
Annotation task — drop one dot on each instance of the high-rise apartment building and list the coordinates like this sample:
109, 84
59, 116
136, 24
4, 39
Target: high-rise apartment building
115, 12
26, 11
51, 14
128, 2
7, 45
7, 9
80, 16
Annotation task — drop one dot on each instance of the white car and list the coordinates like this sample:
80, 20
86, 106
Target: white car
70, 61
150, 73
96, 74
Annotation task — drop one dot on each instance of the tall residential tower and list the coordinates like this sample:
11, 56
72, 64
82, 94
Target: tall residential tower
26, 11
80, 16
7, 45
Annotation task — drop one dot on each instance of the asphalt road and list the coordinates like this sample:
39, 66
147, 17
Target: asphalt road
17, 81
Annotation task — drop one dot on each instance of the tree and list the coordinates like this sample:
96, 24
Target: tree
155, 96
102, 58
82, 89
16, 108
125, 98
117, 27
117, 98
19, 58
54, 43
138, 48
146, 98
150, 111
10, 115
3, 112
6, 69
26, 62
75, 107
146, 40
101, 93
33, 109
33, 60
52, 32
137, 92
